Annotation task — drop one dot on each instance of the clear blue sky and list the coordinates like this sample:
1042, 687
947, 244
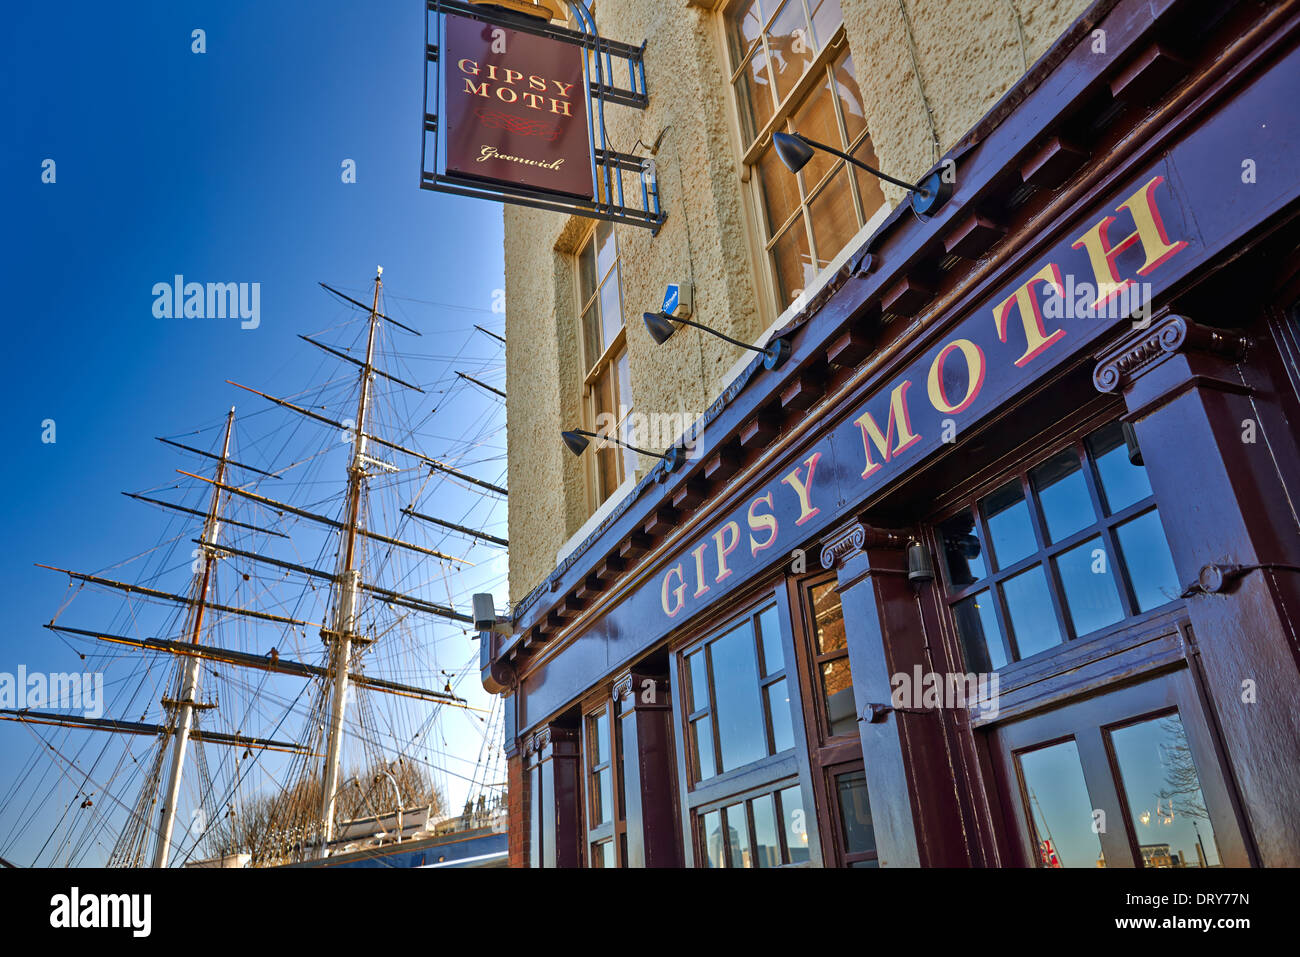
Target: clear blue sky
222, 166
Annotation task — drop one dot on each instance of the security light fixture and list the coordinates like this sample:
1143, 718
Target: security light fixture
795, 150
578, 439
660, 326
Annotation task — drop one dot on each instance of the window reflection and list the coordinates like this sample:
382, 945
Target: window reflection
1059, 807
767, 848
1010, 528
832, 660
715, 844
795, 824
739, 710
1090, 595
977, 626
1122, 482
730, 708
1029, 608
1063, 495
1165, 804
855, 813
1150, 565
738, 836
1041, 586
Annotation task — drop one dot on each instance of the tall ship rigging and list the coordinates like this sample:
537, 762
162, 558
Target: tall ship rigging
301, 702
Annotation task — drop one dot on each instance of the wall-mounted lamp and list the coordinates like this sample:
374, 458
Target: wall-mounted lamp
578, 439
920, 568
1131, 443
795, 150
660, 326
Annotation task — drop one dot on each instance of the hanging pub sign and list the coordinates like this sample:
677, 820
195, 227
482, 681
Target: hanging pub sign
514, 112
514, 109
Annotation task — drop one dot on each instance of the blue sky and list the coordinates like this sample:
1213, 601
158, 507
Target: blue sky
223, 166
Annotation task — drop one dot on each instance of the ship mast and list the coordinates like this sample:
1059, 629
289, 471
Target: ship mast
190, 671
348, 580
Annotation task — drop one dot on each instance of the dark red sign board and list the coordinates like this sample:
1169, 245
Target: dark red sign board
515, 108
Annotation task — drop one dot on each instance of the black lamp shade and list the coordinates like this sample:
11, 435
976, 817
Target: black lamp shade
659, 326
793, 151
577, 443
919, 566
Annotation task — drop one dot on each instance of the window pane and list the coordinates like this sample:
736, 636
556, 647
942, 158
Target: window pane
744, 24
793, 262
828, 618
739, 711
1060, 808
587, 271
977, 625
607, 458
1007, 514
606, 248
837, 686
591, 339
1166, 806
815, 119
1063, 495
855, 813
611, 307
754, 95
767, 849
778, 706
826, 17
598, 739
738, 836
834, 218
780, 190
791, 47
1150, 566
962, 552
1029, 607
1122, 482
850, 96
1090, 595
602, 797
624, 380
699, 680
602, 854
795, 824
714, 846
704, 761
770, 632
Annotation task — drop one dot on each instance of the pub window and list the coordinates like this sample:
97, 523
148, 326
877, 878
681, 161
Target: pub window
1059, 551
791, 70
739, 726
606, 822
766, 830
738, 697
607, 389
830, 658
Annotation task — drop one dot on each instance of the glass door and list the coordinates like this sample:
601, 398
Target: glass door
1129, 778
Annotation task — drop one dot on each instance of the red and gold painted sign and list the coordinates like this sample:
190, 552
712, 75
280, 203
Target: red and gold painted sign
994, 353
515, 108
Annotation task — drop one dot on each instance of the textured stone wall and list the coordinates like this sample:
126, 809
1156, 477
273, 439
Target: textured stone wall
967, 53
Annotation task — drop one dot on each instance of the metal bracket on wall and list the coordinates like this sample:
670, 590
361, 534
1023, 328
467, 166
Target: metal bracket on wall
1214, 579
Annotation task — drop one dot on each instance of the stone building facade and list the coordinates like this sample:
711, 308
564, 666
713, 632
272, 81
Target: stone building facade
998, 535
